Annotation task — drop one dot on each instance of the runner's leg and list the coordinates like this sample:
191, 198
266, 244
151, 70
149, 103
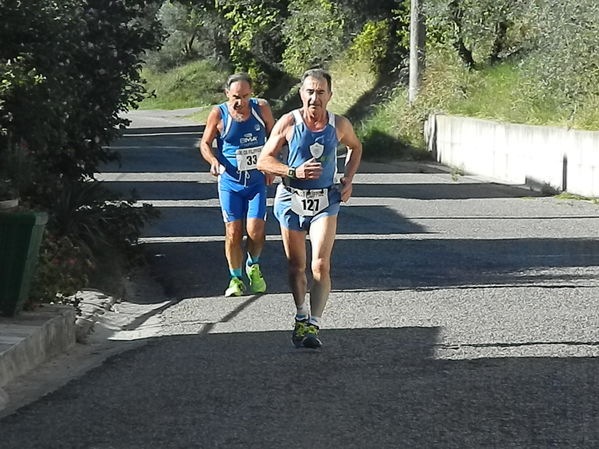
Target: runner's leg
255, 237
256, 221
233, 238
322, 238
294, 243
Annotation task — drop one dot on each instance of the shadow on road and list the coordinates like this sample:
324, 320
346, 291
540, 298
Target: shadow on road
434, 263
159, 150
375, 388
180, 222
400, 264
182, 190
362, 259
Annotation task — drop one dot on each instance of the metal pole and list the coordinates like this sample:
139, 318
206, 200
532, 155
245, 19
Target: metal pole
417, 36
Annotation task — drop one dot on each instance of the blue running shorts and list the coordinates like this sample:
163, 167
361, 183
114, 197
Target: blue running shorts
290, 220
239, 202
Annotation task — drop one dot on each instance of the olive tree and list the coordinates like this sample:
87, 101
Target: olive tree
480, 31
254, 37
313, 34
195, 30
565, 62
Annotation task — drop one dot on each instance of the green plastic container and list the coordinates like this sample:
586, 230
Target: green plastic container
20, 238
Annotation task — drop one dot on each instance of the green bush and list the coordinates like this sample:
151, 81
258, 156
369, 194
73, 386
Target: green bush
313, 34
86, 57
254, 37
63, 269
372, 44
87, 221
67, 70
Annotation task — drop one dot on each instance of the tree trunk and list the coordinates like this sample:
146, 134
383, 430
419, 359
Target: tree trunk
189, 46
498, 45
464, 52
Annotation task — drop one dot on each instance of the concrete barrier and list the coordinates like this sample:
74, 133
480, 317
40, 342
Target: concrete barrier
545, 158
31, 338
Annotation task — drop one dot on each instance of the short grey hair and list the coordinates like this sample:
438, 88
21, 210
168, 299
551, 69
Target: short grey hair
319, 74
241, 76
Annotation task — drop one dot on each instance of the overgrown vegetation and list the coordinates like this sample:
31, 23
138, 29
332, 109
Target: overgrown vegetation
67, 69
198, 83
524, 61
571, 196
313, 34
547, 43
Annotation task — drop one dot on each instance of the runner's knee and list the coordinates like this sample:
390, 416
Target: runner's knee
234, 233
256, 232
296, 268
321, 268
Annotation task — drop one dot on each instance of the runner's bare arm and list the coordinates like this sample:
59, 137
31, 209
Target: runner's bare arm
347, 136
267, 116
269, 123
268, 161
205, 145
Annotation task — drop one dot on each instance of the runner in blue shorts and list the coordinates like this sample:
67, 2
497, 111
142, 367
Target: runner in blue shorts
308, 199
240, 127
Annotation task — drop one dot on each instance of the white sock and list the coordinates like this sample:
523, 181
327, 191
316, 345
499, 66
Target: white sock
315, 320
302, 312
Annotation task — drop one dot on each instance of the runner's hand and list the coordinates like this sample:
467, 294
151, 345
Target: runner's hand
269, 179
215, 169
309, 170
346, 190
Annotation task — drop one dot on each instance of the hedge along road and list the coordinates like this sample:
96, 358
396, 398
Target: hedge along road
464, 314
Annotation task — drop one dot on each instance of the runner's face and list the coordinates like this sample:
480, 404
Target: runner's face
239, 94
315, 94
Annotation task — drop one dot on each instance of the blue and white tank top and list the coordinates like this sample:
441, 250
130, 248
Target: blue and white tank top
248, 134
306, 144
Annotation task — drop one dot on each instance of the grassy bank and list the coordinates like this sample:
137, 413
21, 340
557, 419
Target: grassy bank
500, 92
199, 83
384, 121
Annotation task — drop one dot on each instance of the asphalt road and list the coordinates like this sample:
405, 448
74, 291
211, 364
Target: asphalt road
464, 314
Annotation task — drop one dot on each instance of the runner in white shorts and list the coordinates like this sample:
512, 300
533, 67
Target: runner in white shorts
308, 200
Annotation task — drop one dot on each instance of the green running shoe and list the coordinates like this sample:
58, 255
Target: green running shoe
299, 333
257, 283
311, 339
236, 288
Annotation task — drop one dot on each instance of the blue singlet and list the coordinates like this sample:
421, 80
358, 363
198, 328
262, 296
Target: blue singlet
242, 193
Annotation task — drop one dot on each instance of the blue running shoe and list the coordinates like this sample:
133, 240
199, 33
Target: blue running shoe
299, 332
311, 339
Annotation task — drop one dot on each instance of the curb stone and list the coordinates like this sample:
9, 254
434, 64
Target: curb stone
95, 326
93, 303
3, 399
34, 337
